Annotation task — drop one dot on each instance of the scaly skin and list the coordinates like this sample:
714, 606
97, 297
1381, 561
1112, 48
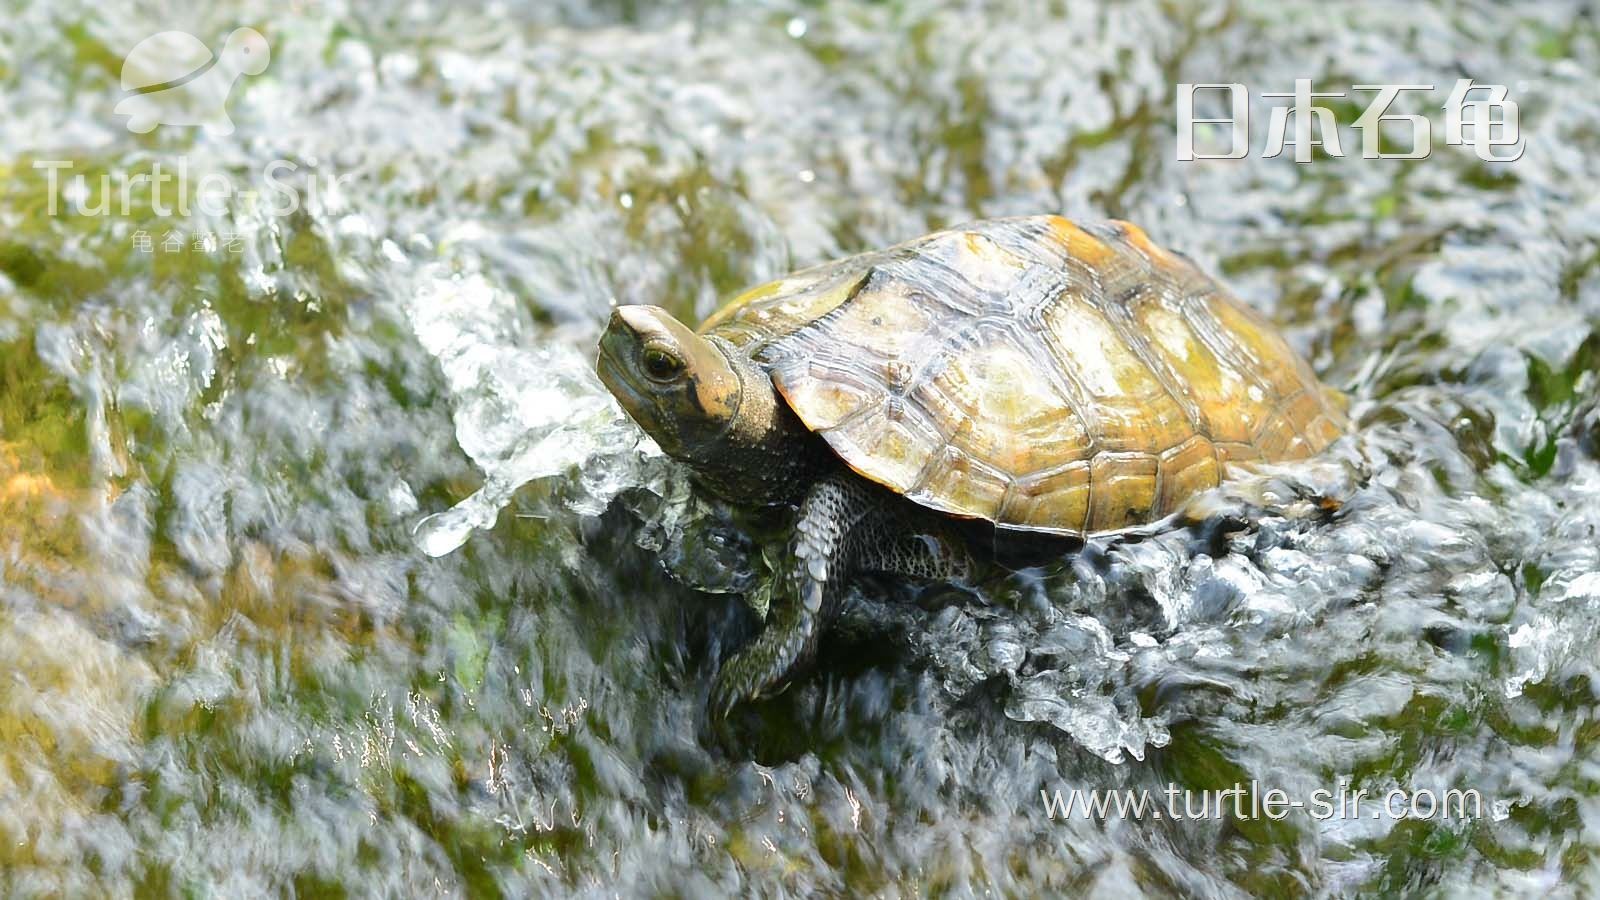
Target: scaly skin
844, 526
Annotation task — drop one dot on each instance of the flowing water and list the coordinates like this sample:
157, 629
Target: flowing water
328, 567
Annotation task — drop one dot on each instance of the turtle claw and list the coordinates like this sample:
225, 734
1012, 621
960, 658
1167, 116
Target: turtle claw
717, 722
737, 682
714, 729
721, 701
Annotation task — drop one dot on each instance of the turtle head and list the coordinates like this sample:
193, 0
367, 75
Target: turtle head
246, 51
681, 388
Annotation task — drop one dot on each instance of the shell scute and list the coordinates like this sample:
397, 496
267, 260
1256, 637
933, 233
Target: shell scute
1122, 488
1133, 410
1051, 501
1184, 471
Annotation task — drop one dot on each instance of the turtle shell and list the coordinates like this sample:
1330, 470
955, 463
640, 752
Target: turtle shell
164, 58
1038, 374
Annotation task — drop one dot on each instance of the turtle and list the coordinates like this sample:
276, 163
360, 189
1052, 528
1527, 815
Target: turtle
174, 79
1032, 373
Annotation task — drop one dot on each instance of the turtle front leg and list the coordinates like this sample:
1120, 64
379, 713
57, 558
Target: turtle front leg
805, 596
844, 526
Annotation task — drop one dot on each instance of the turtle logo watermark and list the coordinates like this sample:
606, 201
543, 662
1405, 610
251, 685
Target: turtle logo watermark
173, 78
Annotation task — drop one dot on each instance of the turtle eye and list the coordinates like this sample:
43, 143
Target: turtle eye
662, 364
